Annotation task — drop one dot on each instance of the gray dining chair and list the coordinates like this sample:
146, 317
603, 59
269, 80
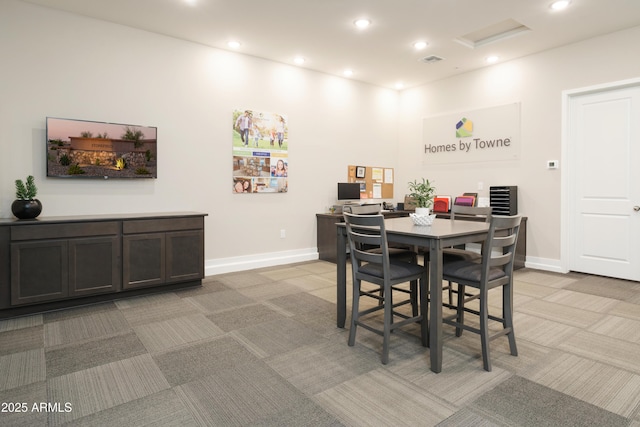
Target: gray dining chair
377, 268
460, 252
495, 270
400, 252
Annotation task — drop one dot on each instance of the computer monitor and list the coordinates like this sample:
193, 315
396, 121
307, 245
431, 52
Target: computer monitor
348, 191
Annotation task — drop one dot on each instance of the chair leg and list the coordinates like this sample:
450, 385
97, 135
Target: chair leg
507, 316
450, 289
355, 307
386, 332
424, 309
484, 328
460, 309
414, 297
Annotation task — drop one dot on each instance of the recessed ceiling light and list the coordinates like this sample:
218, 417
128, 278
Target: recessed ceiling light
233, 44
299, 60
362, 23
420, 45
348, 72
191, 2
560, 4
399, 85
491, 59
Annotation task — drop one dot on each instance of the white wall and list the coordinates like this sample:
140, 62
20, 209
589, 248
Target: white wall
62, 65
537, 82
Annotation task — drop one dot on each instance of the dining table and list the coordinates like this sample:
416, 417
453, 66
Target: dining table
441, 233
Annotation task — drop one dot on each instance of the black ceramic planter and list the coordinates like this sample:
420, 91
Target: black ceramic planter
26, 209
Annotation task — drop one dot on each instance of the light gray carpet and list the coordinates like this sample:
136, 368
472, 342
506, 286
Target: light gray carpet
260, 348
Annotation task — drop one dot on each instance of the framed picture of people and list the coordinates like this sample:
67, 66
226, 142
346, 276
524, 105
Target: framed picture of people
260, 147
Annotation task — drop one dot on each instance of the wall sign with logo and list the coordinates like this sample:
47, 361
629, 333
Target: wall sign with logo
483, 135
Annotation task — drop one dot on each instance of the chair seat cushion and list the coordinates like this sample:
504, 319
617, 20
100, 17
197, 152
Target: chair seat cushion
398, 269
468, 270
452, 254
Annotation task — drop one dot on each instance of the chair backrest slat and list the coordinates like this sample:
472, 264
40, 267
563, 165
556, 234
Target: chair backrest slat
484, 211
373, 209
366, 239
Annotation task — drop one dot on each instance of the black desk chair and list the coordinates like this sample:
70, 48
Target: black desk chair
377, 268
495, 270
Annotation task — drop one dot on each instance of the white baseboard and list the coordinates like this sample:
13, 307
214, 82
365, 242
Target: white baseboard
249, 262
270, 259
546, 264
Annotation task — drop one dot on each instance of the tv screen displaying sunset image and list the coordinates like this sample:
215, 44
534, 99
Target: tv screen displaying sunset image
88, 149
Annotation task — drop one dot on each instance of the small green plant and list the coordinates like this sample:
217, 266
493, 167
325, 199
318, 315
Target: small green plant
28, 191
65, 160
142, 171
86, 134
57, 142
133, 134
75, 170
97, 162
148, 155
120, 163
422, 192
102, 135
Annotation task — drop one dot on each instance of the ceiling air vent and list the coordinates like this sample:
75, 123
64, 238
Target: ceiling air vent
431, 59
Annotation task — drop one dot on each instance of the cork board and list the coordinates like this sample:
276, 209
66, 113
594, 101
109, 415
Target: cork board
375, 182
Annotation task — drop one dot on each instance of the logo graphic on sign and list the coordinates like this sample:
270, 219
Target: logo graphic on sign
464, 128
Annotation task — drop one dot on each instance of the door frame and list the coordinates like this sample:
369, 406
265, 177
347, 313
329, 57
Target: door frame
566, 163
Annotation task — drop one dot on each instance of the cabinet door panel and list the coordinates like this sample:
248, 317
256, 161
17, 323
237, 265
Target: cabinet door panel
94, 265
39, 271
185, 260
143, 260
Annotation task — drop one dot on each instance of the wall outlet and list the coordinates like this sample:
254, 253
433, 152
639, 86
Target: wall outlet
283, 233
552, 164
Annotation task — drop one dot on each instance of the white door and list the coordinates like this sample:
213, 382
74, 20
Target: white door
604, 183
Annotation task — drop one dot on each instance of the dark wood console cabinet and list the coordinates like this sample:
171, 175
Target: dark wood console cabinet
58, 262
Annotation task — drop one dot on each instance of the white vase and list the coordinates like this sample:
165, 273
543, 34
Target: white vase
422, 211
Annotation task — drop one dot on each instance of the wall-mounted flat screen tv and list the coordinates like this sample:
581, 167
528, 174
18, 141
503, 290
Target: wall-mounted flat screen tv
348, 191
87, 149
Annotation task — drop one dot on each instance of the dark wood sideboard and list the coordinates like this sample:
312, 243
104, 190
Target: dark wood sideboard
57, 262
327, 237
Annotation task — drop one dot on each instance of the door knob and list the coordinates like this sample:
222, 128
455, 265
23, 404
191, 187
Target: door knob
636, 208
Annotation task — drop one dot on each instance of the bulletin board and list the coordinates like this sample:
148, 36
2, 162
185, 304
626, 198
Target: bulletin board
375, 182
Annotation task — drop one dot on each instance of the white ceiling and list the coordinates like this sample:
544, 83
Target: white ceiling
323, 32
